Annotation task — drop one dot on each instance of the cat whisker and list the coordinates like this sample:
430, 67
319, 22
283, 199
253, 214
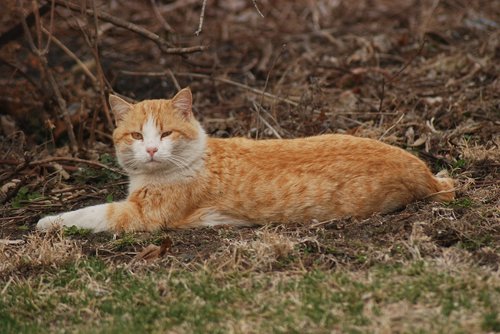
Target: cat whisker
179, 162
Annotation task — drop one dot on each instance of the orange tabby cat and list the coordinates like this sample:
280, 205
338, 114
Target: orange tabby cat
181, 178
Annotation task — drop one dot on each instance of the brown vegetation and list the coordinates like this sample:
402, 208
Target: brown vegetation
422, 75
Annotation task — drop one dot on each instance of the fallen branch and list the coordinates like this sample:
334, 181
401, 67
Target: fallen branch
77, 160
162, 44
67, 159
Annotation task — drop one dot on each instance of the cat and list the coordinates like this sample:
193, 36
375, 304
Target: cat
181, 178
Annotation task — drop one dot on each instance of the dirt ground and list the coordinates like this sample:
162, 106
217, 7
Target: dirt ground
422, 75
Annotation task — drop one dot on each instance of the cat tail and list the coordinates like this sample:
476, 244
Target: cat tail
445, 188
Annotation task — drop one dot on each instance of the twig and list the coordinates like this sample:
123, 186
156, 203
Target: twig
37, 26
240, 85
227, 81
174, 79
77, 160
202, 17
9, 282
382, 96
257, 8
405, 66
174, 5
100, 73
10, 242
393, 78
266, 83
391, 127
70, 53
162, 44
160, 17
51, 26
17, 31
67, 159
454, 189
50, 77
269, 126
189, 49
19, 168
23, 74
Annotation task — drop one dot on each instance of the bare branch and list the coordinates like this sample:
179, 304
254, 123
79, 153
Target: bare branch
100, 72
202, 17
51, 27
50, 77
224, 80
160, 17
257, 8
162, 44
70, 53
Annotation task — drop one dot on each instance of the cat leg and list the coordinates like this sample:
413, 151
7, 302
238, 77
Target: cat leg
123, 216
209, 217
92, 217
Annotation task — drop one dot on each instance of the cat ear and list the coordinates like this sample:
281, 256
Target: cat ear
119, 106
183, 102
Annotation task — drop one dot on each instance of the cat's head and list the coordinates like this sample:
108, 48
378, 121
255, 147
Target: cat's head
157, 135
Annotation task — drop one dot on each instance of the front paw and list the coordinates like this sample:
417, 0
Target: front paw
92, 218
49, 222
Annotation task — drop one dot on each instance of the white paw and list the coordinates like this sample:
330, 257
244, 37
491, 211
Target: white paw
49, 222
92, 218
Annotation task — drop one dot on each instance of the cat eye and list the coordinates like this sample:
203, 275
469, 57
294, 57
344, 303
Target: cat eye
136, 135
166, 134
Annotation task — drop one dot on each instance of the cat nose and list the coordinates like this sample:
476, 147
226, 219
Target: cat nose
152, 150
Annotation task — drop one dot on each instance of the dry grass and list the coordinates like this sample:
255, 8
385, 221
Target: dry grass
39, 251
305, 68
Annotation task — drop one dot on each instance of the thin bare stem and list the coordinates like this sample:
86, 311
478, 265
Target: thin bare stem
391, 127
160, 17
223, 80
174, 79
162, 44
257, 8
22, 165
76, 160
100, 72
50, 78
70, 53
17, 69
51, 27
34, 6
202, 18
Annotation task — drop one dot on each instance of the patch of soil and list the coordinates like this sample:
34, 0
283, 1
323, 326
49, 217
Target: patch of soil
425, 80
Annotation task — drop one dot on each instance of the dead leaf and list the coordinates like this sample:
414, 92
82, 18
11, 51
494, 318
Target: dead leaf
410, 136
153, 252
420, 141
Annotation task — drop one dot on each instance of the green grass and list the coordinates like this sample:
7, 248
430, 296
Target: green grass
24, 195
98, 176
74, 231
92, 296
463, 202
124, 241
